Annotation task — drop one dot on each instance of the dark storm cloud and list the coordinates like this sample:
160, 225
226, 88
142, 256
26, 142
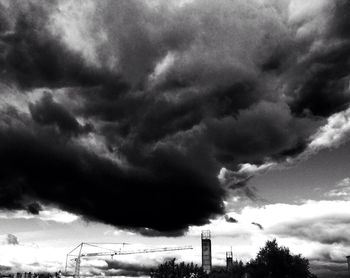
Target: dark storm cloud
153, 101
341, 25
59, 166
101, 190
258, 225
154, 233
326, 89
230, 219
33, 57
272, 133
323, 88
48, 112
34, 208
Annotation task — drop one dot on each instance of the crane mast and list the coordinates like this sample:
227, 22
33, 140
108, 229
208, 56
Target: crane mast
110, 252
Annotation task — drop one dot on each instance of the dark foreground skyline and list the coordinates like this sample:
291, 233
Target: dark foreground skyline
142, 120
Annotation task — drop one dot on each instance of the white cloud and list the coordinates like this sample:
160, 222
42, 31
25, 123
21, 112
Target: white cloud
344, 182
26, 258
333, 134
342, 190
317, 229
58, 216
46, 214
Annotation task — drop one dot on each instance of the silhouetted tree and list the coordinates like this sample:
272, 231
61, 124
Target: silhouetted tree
171, 269
274, 261
238, 269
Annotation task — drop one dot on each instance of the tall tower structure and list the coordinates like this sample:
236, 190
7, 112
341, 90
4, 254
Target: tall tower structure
206, 251
348, 260
229, 261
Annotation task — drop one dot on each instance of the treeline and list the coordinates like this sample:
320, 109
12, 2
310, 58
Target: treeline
31, 275
272, 261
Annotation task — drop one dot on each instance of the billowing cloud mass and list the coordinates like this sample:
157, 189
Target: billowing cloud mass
125, 112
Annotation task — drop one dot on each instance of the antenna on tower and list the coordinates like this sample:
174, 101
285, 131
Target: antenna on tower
229, 260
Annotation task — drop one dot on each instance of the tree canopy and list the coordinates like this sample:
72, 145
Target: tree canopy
170, 269
274, 261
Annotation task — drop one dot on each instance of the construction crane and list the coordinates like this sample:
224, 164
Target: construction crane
110, 252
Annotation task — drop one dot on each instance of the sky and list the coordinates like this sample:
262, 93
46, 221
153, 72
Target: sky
149, 121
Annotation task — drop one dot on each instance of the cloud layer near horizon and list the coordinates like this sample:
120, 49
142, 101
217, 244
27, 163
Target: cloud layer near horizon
124, 112
316, 229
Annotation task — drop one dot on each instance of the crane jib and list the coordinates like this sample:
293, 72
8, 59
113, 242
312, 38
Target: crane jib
111, 252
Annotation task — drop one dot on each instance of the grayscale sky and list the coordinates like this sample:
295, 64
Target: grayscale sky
149, 121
